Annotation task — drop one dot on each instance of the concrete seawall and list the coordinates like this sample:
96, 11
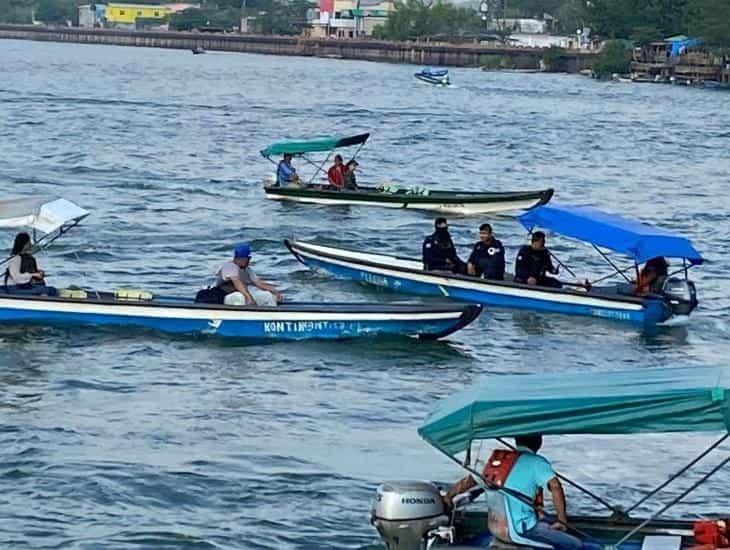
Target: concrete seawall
367, 50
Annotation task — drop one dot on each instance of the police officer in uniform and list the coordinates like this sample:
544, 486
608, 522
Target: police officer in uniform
439, 252
487, 256
533, 262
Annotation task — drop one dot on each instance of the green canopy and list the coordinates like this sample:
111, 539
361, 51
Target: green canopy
693, 399
327, 143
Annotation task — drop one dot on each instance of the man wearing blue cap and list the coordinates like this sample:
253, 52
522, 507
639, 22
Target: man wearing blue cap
241, 285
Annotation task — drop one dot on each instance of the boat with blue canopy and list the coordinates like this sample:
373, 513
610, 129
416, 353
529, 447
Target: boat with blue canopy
317, 191
412, 515
437, 77
50, 218
671, 299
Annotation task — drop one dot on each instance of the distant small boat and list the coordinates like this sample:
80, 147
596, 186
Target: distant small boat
197, 50
438, 77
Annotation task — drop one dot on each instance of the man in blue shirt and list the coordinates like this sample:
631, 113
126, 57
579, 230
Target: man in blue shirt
286, 174
529, 474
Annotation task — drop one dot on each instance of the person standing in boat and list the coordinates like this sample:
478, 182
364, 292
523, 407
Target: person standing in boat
523, 473
240, 284
487, 256
439, 252
349, 178
336, 174
533, 262
286, 174
22, 275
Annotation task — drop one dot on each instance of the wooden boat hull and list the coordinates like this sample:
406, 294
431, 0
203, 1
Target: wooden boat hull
295, 321
458, 203
407, 275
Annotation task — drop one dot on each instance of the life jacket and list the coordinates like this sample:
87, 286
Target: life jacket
712, 533
497, 470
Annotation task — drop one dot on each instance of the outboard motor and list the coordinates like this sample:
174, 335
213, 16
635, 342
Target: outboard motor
681, 294
405, 513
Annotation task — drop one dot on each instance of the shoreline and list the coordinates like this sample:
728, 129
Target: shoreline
416, 53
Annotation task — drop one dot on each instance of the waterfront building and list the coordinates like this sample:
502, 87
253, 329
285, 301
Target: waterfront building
128, 15
349, 18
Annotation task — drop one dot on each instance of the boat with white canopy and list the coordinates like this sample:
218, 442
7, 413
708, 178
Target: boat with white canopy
49, 219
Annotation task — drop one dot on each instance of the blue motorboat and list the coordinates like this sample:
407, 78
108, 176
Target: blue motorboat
50, 218
670, 304
438, 77
291, 321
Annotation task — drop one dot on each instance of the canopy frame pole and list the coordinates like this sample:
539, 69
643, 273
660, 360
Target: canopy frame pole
561, 264
702, 455
319, 167
601, 279
39, 244
514, 494
613, 265
674, 501
574, 484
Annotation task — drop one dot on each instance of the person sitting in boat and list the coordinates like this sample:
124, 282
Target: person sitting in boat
240, 284
439, 252
349, 178
522, 473
22, 275
487, 256
533, 262
286, 174
336, 174
652, 276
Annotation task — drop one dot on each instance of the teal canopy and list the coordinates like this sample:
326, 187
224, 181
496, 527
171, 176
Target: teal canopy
321, 144
692, 399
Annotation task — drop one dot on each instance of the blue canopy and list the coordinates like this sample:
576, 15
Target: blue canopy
640, 241
688, 399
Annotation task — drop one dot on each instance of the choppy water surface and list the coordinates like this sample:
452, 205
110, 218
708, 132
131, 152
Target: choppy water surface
131, 439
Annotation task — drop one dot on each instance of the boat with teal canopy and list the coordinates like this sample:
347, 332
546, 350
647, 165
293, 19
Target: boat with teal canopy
318, 189
677, 400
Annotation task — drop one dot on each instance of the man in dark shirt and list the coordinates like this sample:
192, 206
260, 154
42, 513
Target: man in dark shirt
533, 262
439, 252
487, 256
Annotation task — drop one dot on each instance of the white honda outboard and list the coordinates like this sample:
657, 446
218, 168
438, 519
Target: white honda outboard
409, 513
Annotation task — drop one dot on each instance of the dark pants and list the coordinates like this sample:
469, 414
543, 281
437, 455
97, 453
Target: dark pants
31, 290
549, 281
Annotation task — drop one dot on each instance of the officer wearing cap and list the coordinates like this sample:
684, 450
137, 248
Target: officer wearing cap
487, 256
240, 284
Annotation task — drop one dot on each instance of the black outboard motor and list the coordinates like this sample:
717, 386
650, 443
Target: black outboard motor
681, 295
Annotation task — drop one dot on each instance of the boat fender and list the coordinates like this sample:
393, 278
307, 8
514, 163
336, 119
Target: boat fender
712, 534
73, 293
497, 470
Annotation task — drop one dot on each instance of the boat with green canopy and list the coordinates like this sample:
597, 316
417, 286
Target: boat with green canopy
318, 191
628, 402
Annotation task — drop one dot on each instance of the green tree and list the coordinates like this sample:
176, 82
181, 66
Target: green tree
614, 58
187, 20
54, 11
16, 11
415, 19
710, 20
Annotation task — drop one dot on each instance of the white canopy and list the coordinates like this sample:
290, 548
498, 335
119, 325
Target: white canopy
45, 215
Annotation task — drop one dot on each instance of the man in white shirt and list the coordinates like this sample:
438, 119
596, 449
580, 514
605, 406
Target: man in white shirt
241, 285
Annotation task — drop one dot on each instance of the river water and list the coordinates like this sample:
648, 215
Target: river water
130, 439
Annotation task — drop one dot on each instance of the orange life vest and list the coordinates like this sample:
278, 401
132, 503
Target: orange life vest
498, 468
